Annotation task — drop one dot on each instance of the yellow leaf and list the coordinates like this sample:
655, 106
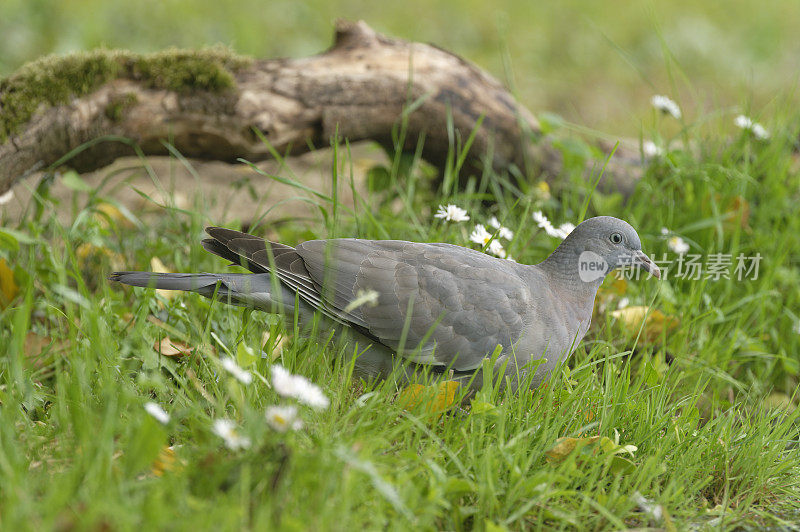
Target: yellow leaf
165, 461
89, 254
564, 447
171, 348
106, 211
8, 287
737, 213
432, 399
655, 322
158, 267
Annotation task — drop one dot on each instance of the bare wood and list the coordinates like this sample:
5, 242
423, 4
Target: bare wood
358, 88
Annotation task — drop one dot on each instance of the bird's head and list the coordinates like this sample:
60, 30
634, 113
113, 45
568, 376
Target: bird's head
604, 243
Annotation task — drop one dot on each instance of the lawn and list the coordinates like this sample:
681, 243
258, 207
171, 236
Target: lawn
112, 398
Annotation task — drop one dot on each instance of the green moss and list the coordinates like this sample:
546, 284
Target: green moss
54, 80
118, 104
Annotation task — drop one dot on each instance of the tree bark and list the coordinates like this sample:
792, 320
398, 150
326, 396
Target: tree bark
361, 88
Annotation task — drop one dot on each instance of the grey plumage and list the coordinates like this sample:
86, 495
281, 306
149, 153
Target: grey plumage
437, 305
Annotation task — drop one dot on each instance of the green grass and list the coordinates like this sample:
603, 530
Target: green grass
77, 448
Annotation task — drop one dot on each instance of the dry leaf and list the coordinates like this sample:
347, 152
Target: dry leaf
737, 213
656, 322
171, 348
432, 399
107, 211
36, 345
89, 253
277, 349
165, 461
158, 267
564, 447
8, 287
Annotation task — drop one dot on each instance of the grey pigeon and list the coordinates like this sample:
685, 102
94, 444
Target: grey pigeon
437, 305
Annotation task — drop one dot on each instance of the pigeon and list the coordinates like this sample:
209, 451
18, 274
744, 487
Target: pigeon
417, 306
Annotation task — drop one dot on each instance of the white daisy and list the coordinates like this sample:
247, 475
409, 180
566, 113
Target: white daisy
157, 412
624, 302
654, 510
226, 429
564, 230
561, 231
496, 249
651, 149
666, 105
283, 418
540, 219
678, 245
747, 123
298, 387
451, 213
238, 373
502, 232
664, 231
480, 235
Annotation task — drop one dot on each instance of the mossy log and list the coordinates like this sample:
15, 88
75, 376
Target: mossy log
215, 105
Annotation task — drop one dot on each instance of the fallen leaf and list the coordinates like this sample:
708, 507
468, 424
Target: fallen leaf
88, 254
165, 461
36, 347
432, 399
8, 287
158, 267
107, 212
656, 323
737, 213
171, 348
593, 446
565, 446
278, 345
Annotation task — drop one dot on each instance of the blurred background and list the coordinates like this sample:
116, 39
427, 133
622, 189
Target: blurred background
594, 63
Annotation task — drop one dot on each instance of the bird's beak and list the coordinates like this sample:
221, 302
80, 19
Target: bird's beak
644, 262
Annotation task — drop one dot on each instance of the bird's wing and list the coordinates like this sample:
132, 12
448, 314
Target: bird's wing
262, 256
437, 303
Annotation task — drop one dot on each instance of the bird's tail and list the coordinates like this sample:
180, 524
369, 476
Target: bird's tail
245, 289
190, 282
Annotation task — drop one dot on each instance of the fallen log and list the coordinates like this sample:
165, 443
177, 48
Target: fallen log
212, 104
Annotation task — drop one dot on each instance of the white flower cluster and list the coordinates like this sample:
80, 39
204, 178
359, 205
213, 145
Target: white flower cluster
674, 242
666, 106
238, 373
651, 149
481, 236
451, 213
157, 412
748, 124
226, 429
283, 418
562, 231
298, 387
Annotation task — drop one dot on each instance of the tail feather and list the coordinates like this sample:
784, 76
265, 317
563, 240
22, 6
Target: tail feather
245, 289
168, 281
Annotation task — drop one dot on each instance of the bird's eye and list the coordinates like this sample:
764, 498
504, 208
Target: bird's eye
616, 238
